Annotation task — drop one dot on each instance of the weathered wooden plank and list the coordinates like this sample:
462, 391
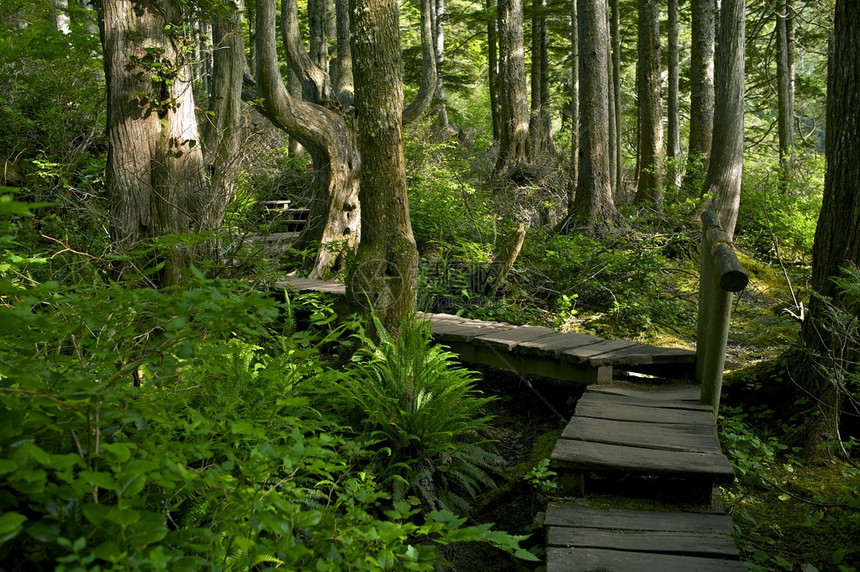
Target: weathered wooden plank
561, 513
594, 559
667, 436
642, 354
510, 339
680, 542
580, 455
638, 401
588, 407
467, 333
528, 364
590, 352
551, 344
678, 392
310, 285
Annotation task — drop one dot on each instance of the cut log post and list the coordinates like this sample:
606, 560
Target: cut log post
721, 276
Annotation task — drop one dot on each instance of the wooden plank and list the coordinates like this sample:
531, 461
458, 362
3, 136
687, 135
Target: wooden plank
642, 354
590, 352
596, 559
528, 364
666, 436
310, 285
468, 332
580, 455
560, 513
591, 408
510, 339
658, 403
551, 344
678, 392
680, 542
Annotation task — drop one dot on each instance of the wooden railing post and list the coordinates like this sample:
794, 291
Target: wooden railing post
720, 276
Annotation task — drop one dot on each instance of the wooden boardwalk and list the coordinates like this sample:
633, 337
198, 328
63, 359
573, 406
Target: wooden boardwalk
535, 350
618, 432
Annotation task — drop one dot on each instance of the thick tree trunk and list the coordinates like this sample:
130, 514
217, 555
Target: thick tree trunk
650, 187
322, 129
493, 69
593, 207
513, 105
386, 265
785, 85
318, 33
837, 236
60, 13
701, 94
725, 169
614, 119
155, 172
673, 137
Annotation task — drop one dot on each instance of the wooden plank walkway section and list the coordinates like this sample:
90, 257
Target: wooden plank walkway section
536, 350
662, 432
588, 539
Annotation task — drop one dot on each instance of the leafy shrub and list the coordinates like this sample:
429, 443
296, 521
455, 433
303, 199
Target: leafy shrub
425, 413
151, 430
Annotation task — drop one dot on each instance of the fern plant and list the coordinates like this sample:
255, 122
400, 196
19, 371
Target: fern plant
427, 416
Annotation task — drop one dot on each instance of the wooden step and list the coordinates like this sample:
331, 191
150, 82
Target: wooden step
581, 538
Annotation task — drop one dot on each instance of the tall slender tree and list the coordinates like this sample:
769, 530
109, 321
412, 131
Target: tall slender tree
513, 104
703, 27
785, 85
673, 126
593, 208
651, 154
540, 122
725, 169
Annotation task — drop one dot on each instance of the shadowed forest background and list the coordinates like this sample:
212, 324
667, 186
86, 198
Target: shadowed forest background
164, 405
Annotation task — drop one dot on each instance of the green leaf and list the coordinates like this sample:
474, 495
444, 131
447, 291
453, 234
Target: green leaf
11, 524
7, 466
119, 452
95, 513
98, 479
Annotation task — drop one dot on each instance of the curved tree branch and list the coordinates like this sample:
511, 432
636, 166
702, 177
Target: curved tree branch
425, 94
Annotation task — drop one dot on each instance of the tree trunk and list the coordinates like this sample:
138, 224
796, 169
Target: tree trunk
317, 33
593, 207
513, 105
60, 13
540, 123
650, 187
343, 62
155, 172
725, 169
439, 34
785, 85
837, 236
386, 265
574, 106
615, 32
673, 138
614, 119
425, 94
493, 71
701, 94
320, 128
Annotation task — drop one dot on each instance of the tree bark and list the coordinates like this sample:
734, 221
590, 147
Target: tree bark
513, 105
593, 207
614, 119
318, 33
343, 62
318, 127
650, 187
785, 85
425, 94
673, 138
155, 172
615, 27
540, 123
60, 13
386, 265
725, 169
439, 34
701, 93
493, 69
574, 106
837, 236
